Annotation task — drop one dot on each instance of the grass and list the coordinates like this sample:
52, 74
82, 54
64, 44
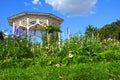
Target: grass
83, 71
92, 60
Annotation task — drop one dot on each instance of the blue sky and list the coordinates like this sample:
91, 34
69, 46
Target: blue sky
77, 14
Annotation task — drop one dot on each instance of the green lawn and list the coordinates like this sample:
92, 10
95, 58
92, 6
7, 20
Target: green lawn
83, 71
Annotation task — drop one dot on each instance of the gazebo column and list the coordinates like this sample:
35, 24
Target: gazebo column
13, 30
20, 24
47, 22
37, 21
27, 26
48, 38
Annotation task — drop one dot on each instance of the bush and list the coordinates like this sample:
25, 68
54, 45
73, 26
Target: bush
108, 55
83, 59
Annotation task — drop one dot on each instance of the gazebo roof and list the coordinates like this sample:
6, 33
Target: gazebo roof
10, 19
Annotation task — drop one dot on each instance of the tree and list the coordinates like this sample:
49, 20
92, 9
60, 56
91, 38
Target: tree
111, 30
51, 33
1, 36
91, 30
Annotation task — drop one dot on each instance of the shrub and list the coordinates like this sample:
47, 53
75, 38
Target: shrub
108, 55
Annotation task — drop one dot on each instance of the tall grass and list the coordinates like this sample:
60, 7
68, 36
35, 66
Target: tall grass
18, 52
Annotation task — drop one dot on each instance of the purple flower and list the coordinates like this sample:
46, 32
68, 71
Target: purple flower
17, 31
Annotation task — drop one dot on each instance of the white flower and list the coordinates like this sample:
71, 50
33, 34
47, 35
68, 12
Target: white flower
52, 54
32, 49
37, 46
57, 65
60, 48
109, 39
6, 36
47, 47
20, 40
70, 55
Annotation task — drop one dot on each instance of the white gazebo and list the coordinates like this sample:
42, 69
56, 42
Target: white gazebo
33, 21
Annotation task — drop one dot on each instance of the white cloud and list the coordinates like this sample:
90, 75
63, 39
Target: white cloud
36, 2
35, 8
26, 3
73, 7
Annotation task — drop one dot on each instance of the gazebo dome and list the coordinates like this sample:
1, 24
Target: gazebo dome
34, 20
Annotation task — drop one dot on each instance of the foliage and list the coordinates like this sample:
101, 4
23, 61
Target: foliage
50, 34
1, 35
14, 50
52, 28
18, 52
91, 30
111, 30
